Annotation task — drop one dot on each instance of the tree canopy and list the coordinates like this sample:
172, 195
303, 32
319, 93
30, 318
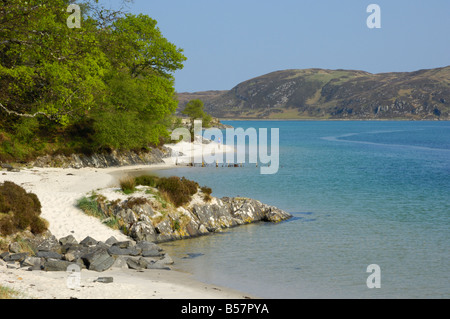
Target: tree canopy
110, 75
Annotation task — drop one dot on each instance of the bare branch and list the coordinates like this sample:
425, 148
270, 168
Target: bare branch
24, 115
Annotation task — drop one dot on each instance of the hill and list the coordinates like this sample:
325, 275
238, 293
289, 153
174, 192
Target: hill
333, 94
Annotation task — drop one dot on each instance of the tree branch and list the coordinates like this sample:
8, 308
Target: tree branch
24, 115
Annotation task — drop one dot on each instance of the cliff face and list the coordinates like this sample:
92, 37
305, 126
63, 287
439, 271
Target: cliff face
147, 220
334, 94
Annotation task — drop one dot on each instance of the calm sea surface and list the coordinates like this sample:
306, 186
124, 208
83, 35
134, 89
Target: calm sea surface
361, 192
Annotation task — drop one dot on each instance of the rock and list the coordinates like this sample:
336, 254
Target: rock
75, 250
137, 263
67, 240
117, 251
49, 255
7, 166
164, 227
157, 265
111, 240
166, 260
13, 265
124, 244
15, 247
105, 280
120, 263
16, 257
141, 231
70, 257
34, 263
4, 255
56, 265
49, 244
146, 245
98, 260
88, 241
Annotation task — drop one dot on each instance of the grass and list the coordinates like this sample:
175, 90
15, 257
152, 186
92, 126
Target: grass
89, 205
128, 185
7, 293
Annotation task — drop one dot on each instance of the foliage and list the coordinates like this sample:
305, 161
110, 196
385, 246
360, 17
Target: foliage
128, 185
207, 191
179, 190
111, 80
147, 180
194, 109
19, 210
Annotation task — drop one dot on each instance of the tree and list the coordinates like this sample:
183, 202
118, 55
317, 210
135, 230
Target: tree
194, 109
112, 78
47, 68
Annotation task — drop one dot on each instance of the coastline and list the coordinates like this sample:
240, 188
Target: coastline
58, 189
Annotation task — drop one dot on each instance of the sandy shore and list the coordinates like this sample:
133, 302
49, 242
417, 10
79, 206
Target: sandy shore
58, 190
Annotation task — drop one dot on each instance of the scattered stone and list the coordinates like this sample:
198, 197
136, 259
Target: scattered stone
137, 263
167, 260
111, 240
152, 253
105, 280
15, 247
4, 255
16, 257
89, 241
49, 255
116, 251
124, 244
98, 260
7, 166
120, 263
49, 244
56, 265
34, 262
68, 240
12, 265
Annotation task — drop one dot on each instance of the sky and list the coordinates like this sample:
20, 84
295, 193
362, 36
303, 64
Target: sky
230, 41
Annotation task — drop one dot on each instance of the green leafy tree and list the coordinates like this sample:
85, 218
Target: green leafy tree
112, 79
195, 110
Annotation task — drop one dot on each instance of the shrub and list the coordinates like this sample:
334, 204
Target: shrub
147, 180
128, 185
179, 190
206, 193
19, 210
133, 201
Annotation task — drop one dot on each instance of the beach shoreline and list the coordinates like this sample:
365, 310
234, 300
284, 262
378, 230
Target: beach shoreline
58, 190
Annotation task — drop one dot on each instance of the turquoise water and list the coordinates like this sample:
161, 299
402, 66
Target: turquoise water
361, 192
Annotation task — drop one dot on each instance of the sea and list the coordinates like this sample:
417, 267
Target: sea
371, 214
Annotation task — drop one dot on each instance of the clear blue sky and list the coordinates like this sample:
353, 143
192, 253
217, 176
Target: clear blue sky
230, 41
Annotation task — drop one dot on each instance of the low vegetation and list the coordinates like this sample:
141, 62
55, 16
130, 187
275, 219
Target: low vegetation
7, 293
19, 210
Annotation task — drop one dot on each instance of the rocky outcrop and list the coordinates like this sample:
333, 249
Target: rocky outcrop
103, 160
145, 222
50, 254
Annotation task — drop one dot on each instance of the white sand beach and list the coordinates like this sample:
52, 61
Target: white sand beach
58, 190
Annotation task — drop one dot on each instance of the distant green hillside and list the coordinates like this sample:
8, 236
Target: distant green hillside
333, 94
